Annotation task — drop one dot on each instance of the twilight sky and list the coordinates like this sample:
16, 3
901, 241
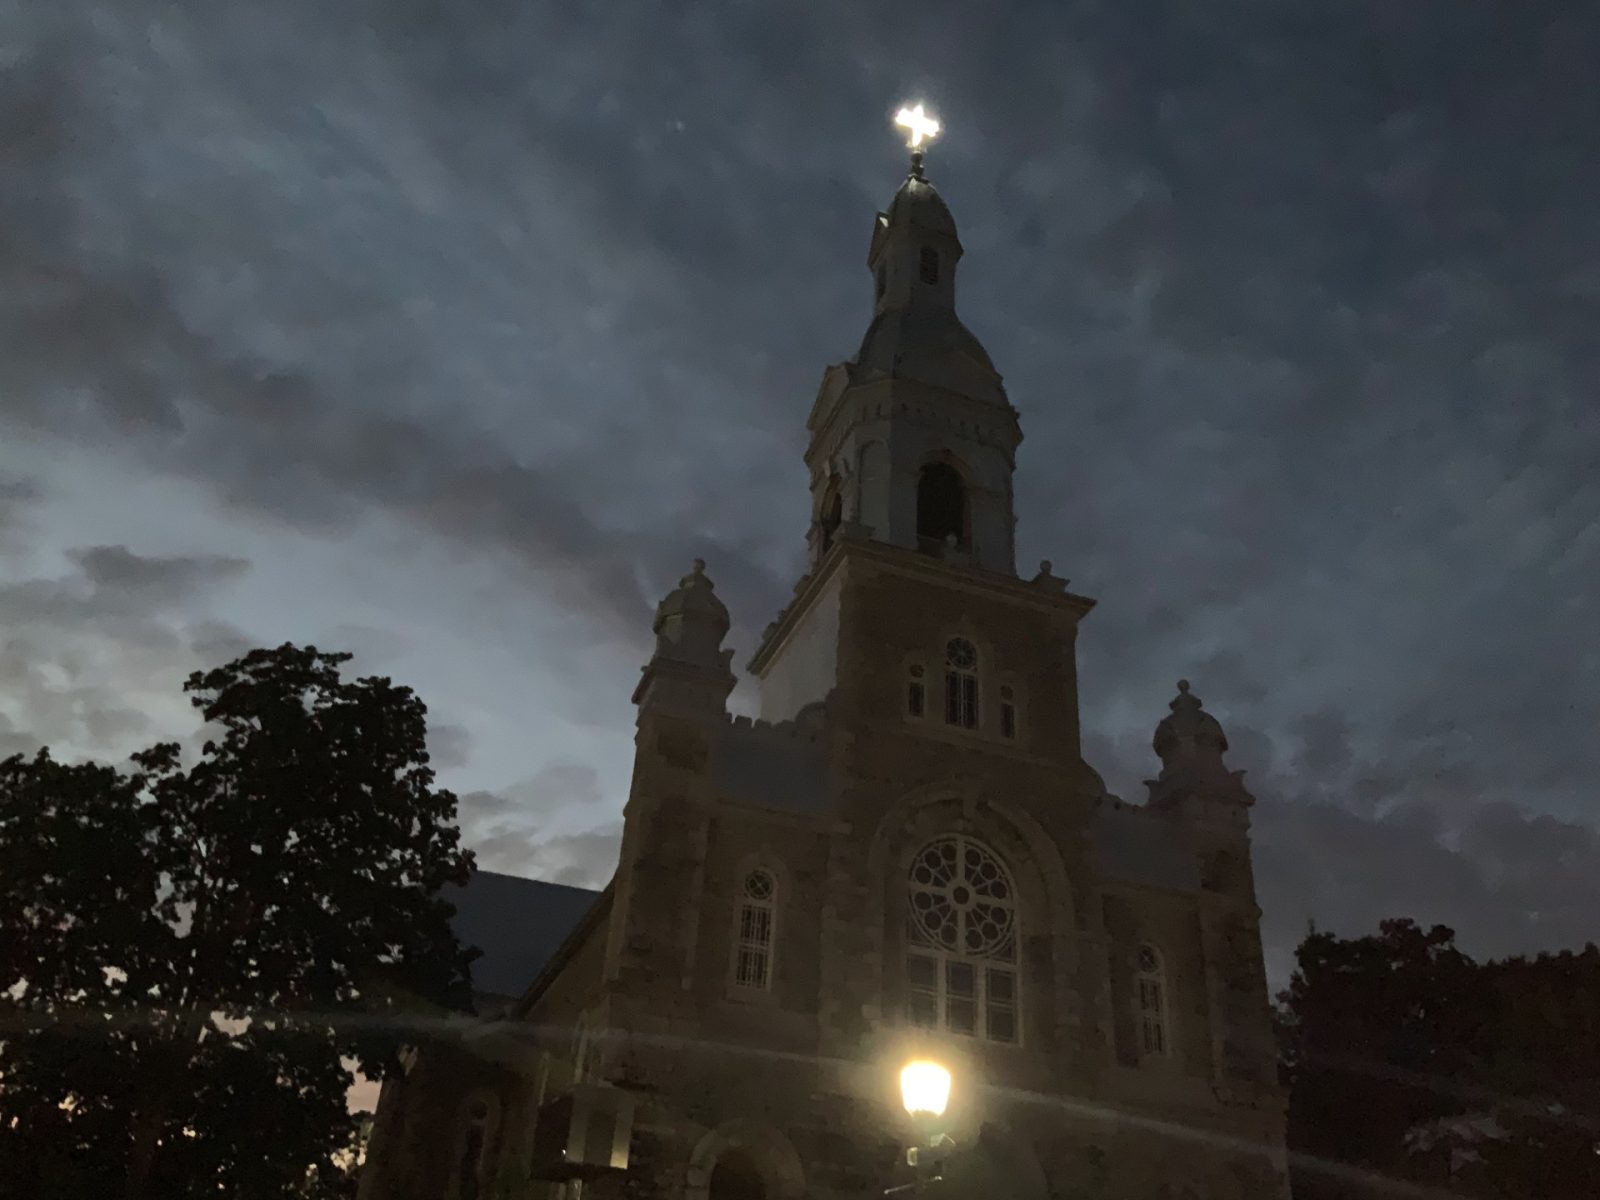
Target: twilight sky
449, 334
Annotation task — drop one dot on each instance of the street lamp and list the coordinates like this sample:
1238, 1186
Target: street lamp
925, 1088
925, 1092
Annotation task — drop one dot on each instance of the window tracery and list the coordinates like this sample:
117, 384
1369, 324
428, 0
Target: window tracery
961, 684
961, 928
1152, 988
752, 967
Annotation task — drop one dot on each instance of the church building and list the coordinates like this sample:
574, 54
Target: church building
904, 858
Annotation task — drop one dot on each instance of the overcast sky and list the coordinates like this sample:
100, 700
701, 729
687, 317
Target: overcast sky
450, 334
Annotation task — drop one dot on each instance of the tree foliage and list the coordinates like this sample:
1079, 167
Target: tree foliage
1408, 1060
190, 955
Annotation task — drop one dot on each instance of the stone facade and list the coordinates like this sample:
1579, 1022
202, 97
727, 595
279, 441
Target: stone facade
908, 858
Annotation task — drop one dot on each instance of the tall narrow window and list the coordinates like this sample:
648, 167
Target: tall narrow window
586, 1051
961, 934
881, 283
752, 966
1152, 983
1008, 712
916, 691
961, 683
928, 264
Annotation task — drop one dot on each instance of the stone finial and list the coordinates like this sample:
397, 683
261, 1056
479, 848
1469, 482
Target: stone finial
1190, 743
1189, 733
691, 621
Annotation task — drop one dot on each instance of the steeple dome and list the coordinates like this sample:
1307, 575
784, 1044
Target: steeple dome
919, 204
915, 333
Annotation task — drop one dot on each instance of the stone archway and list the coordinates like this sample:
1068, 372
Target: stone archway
744, 1160
736, 1176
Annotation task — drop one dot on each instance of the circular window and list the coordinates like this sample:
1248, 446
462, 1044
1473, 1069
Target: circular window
960, 900
961, 654
1149, 961
758, 885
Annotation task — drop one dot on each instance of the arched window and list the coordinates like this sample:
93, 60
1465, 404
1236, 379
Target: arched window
928, 265
472, 1144
941, 506
1152, 983
961, 933
961, 683
752, 952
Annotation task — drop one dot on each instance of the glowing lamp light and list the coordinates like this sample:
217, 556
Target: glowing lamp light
919, 125
925, 1088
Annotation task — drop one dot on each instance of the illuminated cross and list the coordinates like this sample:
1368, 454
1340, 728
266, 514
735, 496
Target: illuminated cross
917, 124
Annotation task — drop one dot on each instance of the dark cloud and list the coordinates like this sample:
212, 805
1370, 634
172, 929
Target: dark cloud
520, 828
1507, 880
18, 496
118, 571
90, 657
112, 582
1298, 314
1344, 839
15, 493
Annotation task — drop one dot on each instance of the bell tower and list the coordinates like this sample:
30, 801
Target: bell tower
911, 453
913, 441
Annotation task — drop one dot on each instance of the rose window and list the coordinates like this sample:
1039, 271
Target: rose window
961, 900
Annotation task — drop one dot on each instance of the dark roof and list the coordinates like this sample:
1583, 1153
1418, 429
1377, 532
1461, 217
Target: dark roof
897, 335
517, 923
1134, 845
770, 769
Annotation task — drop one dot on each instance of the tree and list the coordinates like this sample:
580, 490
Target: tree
1545, 1072
80, 889
1407, 1060
193, 954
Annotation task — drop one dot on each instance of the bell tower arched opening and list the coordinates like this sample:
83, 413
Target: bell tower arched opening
941, 506
832, 516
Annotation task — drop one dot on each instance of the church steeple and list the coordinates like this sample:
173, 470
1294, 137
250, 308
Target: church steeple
913, 439
914, 249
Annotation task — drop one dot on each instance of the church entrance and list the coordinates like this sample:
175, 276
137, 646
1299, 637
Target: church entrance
736, 1177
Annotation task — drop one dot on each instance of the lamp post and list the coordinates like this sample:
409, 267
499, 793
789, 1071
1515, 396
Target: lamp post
925, 1092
